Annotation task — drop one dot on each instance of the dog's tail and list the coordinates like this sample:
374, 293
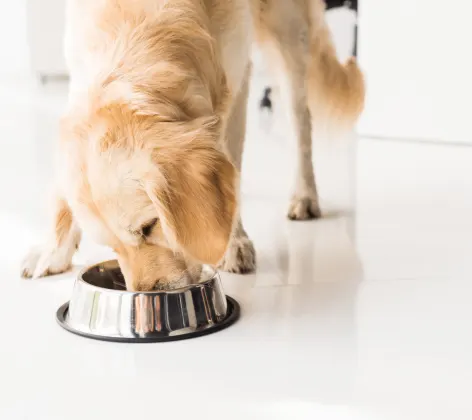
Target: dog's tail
335, 91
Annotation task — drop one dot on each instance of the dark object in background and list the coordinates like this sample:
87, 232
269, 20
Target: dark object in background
330, 4
266, 101
350, 4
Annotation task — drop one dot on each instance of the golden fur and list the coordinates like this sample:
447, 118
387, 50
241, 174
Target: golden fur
152, 140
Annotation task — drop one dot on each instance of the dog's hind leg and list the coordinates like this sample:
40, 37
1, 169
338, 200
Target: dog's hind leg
284, 36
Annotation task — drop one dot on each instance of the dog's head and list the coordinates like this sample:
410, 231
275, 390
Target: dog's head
140, 147
158, 192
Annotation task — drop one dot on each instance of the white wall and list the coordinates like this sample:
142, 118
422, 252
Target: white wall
416, 55
46, 22
14, 53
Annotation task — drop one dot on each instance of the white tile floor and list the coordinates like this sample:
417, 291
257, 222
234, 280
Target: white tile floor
365, 314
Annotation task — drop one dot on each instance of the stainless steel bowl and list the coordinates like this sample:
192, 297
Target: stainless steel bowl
101, 308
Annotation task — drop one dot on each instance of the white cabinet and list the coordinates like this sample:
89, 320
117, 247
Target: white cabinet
416, 56
45, 34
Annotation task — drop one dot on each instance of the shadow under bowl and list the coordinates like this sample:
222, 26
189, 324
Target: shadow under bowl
101, 308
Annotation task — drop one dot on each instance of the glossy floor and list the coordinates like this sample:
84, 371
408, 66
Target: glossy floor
365, 314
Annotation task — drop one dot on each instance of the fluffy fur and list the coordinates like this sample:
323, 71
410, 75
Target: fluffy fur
152, 140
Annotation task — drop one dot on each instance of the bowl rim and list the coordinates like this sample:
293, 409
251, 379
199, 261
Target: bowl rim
213, 274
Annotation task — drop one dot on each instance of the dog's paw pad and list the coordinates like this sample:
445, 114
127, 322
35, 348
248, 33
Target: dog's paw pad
240, 257
304, 208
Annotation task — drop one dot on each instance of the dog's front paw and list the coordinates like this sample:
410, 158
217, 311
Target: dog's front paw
44, 261
240, 256
304, 208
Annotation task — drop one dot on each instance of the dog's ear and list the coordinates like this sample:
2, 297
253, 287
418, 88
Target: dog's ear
196, 200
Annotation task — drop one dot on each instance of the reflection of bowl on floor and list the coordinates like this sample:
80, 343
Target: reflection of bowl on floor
101, 308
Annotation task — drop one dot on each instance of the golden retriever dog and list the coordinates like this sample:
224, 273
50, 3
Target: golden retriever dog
153, 135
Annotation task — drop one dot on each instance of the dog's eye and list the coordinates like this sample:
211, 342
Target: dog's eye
147, 228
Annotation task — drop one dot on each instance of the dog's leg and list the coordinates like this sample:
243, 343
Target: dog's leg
55, 256
286, 45
304, 204
240, 256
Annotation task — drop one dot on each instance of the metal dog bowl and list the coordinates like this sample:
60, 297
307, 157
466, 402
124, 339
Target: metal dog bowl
102, 309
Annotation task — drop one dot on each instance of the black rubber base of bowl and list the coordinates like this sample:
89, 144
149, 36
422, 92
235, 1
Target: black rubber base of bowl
232, 316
